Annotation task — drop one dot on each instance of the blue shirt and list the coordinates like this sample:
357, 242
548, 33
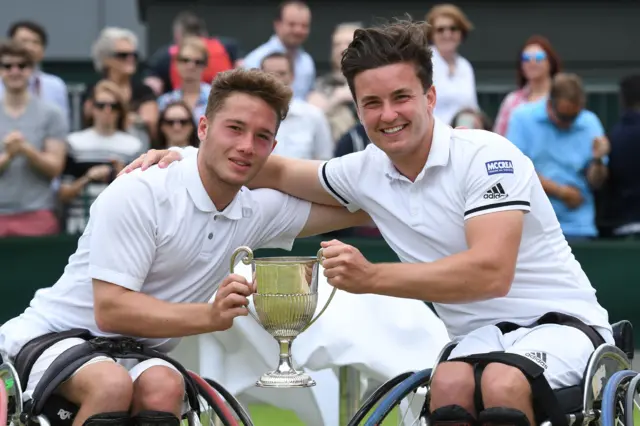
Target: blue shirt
176, 95
561, 155
304, 68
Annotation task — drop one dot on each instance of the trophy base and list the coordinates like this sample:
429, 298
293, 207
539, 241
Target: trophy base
294, 379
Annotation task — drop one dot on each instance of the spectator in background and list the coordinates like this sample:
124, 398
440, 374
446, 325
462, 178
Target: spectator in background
453, 75
569, 151
624, 179
305, 132
537, 64
96, 155
115, 56
354, 140
33, 37
176, 127
32, 149
291, 28
331, 93
162, 73
471, 119
192, 59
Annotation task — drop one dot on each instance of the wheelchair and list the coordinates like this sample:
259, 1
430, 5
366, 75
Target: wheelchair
211, 405
609, 392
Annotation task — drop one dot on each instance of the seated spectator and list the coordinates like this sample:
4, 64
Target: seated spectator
115, 56
354, 140
96, 155
162, 73
33, 37
175, 127
470, 118
32, 149
331, 93
537, 64
192, 58
305, 132
569, 151
624, 181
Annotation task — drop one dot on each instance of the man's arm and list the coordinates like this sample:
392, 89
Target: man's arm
324, 219
484, 271
50, 161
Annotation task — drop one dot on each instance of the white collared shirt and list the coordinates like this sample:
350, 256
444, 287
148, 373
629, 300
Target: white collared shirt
305, 133
456, 91
469, 173
158, 232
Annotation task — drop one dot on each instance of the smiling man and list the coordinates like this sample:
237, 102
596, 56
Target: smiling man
467, 215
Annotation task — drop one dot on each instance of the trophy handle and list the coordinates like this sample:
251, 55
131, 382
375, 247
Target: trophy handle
326, 305
248, 260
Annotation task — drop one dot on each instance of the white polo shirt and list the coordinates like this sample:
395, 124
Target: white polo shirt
469, 173
157, 232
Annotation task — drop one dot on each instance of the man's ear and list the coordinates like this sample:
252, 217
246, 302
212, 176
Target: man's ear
275, 142
203, 125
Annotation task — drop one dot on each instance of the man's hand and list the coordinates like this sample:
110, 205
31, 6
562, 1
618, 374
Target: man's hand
230, 301
162, 157
601, 147
345, 267
571, 196
14, 143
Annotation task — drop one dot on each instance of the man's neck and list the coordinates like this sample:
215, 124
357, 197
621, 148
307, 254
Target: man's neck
411, 165
191, 87
221, 194
104, 129
16, 100
118, 78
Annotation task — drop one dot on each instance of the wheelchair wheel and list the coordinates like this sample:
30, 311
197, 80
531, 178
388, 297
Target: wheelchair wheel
395, 397
378, 394
4, 404
613, 398
225, 406
632, 402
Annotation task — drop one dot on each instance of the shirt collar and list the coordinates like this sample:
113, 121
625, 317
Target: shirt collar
438, 154
277, 44
234, 211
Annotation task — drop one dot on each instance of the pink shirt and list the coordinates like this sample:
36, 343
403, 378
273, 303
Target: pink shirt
510, 102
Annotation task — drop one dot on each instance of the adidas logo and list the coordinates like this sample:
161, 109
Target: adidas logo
539, 358
495, 193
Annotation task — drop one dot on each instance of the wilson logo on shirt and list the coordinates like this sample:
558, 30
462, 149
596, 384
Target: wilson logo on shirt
499, 166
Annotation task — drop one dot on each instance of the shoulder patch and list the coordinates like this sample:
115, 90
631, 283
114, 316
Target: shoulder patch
499, 166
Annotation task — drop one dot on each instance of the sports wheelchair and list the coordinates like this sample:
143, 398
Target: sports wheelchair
609, 392
210, 403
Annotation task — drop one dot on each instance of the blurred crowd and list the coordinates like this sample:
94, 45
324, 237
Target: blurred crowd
50, 175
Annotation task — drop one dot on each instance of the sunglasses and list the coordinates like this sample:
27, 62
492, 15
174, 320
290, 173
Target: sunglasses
103, 105
536, 57
197, 62
451, 28
18, 65
124, 55
180, 121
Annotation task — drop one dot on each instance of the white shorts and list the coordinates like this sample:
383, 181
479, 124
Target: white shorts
135, 367
562, 351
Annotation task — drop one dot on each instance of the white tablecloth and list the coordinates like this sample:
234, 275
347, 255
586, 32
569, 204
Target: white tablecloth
380, 336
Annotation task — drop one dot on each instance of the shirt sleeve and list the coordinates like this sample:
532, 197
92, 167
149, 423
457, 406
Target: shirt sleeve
499, 178
281, 218
338, 177
57, 124
121, 229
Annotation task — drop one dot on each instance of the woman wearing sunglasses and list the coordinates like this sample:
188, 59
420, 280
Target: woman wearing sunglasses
96, 155
176, 127
453, 75
537, 64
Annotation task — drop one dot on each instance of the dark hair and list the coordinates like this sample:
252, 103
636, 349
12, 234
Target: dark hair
555, 65
161, 140
12, 48
252, 82
113, 89
277, 55
568, 87
282, 6
375, 47
630, 91
190, 24
31, 26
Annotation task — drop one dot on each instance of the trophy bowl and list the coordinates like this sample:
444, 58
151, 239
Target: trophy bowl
285, 302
